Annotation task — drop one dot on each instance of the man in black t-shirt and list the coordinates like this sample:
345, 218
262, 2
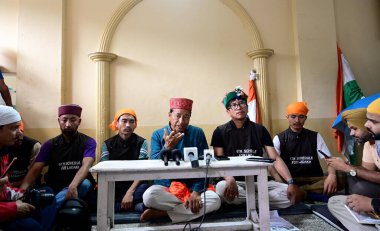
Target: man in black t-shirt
241, 137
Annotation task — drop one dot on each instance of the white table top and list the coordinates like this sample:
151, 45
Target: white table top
153, 165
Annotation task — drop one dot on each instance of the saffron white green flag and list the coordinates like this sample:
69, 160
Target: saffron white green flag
253, 105
348, 91
351, 89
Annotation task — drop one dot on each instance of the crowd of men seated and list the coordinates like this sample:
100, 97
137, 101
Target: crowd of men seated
296, 172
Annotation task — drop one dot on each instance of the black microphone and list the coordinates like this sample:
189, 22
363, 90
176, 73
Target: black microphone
177, 156
165, 156
208, 159
193, 160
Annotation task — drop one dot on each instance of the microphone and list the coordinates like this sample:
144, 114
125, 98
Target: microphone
208, 159
165, 156
209, 155
177, 156
193, 160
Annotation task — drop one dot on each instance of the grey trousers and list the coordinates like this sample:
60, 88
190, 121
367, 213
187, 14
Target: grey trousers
336, 207
277, 194
157, 197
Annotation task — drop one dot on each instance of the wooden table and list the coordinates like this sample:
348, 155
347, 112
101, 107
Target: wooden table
111, 171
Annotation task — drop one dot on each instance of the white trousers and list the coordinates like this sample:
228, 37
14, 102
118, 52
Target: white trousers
340, 212
157, 197
277, 193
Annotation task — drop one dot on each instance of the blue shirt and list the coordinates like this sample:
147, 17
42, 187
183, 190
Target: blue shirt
193, 137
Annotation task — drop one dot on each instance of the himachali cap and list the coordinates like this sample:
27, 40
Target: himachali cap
72, 109
181, 103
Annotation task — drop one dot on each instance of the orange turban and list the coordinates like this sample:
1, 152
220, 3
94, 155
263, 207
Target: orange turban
297, 108
374, 107
121, 112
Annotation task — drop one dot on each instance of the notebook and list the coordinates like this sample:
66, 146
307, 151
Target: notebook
364, 218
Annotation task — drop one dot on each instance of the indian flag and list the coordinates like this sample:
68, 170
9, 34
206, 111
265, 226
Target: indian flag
347, 92
253, 104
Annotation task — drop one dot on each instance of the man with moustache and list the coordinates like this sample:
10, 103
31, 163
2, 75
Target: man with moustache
364, 179
180, 199
14, 213
25, 150
126, 145
69, 157
242, 137
357, 202
298, 147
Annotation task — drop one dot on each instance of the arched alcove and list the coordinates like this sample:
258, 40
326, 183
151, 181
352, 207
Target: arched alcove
103, 58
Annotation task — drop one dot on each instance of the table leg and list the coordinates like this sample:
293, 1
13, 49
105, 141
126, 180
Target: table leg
251, 198
110, 203
102, 213
262, 191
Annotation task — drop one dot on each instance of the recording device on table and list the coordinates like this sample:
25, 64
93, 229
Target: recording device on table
177, 156
191, 155
38, 197
324, 154
167, 155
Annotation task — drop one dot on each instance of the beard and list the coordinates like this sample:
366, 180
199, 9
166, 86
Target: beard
69, 132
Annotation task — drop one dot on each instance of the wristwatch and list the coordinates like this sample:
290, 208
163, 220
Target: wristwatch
353, 172
291, 181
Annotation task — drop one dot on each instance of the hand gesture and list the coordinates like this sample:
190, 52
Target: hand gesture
330, 184
295, 194
359, 203
194, 202
24, 209
127, 201
172, 139
338, 164
72, 192
231, 191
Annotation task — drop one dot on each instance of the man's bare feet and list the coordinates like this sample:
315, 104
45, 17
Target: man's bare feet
150, 214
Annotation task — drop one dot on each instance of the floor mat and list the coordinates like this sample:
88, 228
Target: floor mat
225, 212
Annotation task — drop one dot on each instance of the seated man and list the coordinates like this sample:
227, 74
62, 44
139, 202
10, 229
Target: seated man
242, 137
15, 214
69, 157
25, 150
298, 147
364, 179
126, 145
356, 202
178, 135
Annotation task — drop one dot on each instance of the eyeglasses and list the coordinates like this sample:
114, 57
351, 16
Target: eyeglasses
236, 106
299, 116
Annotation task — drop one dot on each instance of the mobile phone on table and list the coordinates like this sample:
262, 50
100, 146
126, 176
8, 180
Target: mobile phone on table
324, 154
221, 157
